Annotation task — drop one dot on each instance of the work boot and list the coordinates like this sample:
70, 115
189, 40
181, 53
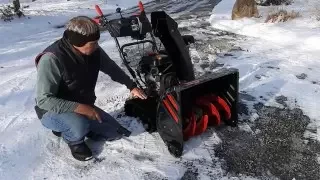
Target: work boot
81, 152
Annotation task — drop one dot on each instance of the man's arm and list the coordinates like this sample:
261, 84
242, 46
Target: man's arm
109, 67
48, 79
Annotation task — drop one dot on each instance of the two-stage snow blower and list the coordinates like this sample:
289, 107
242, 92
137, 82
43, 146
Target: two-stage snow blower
179, 106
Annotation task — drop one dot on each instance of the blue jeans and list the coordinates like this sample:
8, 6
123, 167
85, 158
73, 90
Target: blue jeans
74, 127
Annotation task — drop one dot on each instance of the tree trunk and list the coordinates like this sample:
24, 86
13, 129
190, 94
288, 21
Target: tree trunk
16, 8
16, 5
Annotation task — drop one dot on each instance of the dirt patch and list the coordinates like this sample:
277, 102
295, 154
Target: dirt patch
276, 147
154, 176
302, 76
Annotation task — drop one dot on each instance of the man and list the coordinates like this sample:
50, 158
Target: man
67, 74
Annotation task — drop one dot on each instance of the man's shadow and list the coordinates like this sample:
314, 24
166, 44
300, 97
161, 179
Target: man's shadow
134, 125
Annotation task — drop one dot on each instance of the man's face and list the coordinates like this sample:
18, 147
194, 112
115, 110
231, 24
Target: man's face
89, 47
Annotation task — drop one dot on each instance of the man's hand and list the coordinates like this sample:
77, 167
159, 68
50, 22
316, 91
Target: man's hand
88, 111
137, 92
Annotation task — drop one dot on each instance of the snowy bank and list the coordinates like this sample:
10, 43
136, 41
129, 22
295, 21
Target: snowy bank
278, 58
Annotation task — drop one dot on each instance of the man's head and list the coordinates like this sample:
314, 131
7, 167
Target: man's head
83, 33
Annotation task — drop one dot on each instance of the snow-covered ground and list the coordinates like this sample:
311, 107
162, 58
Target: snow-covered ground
278, 67
276, 60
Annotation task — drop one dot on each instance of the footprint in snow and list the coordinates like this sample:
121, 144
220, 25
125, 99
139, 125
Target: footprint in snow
302, 76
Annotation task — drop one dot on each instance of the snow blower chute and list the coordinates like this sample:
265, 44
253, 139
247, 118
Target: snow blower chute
179, 106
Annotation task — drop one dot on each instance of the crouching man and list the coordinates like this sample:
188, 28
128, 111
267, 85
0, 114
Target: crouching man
67, 72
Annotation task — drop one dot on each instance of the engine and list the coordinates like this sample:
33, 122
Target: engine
155, 68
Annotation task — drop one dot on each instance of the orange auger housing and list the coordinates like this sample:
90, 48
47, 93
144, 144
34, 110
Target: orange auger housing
179, 105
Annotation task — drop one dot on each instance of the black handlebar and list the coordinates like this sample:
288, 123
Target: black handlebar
139, 42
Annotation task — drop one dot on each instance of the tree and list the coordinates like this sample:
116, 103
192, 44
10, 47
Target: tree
8, 12
16, 8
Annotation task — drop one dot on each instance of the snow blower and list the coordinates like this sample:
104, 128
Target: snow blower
179, 106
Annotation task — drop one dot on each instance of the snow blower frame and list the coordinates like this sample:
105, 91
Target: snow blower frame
179, 106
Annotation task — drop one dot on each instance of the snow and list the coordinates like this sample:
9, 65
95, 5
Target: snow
275, 54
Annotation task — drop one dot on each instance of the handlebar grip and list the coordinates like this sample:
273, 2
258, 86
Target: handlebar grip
98, 10
141, 6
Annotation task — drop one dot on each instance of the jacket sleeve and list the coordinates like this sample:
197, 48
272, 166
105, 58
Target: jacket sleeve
110, 68
48, 80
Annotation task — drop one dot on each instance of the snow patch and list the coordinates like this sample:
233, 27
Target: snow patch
278, 58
